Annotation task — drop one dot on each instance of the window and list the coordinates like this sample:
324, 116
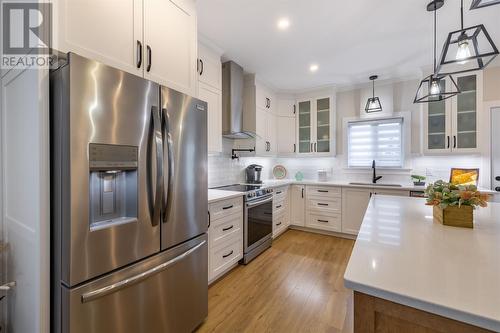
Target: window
379, 140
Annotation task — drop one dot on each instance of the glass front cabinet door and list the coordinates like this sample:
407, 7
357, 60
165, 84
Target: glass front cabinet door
451, 126
316, 126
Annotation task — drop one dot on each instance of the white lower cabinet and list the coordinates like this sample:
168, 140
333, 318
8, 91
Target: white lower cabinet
354, 204
324, 208
225, 236
281, 211
298, 205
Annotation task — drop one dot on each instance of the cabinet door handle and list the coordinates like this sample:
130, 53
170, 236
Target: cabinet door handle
278, 224
279, 206
322, 204
227, 255
454, 141
448, 138
228, 228
294, 148
302, 193
278, 192
202, 67
323, 221
227, 207
322, 191
311, 149
139, 54
315, 147
209, 217
150, 58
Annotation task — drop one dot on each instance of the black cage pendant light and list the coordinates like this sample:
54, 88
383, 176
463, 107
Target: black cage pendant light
476, 4
373, 103
434, 88
467, 49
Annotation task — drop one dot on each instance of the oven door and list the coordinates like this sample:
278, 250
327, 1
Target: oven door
258, 222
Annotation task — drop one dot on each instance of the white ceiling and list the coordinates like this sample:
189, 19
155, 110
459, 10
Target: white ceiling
349, 39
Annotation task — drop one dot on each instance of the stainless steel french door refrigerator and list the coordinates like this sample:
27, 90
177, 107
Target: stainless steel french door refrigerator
128, 201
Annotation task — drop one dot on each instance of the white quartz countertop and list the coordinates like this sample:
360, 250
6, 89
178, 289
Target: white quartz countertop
402, 187
218, 195
403, 256
282, 182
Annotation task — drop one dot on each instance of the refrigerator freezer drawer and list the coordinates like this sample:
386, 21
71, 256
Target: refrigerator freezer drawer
165, 293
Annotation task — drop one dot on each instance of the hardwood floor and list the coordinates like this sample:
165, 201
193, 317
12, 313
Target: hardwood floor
296, 286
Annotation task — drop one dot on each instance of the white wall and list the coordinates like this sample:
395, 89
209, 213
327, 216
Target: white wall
349, 104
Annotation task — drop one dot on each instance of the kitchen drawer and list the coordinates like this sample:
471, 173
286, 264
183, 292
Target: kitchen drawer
225, 256
223, 208
323, 192
279, 206
280, 223
280, 193
333, 205
331, 222
227, 227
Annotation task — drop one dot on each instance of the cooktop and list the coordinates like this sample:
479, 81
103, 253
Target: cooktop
239, 188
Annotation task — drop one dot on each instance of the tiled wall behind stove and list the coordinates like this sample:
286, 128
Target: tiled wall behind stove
222, 170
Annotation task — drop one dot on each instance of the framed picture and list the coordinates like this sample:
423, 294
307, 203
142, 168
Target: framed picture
464, 176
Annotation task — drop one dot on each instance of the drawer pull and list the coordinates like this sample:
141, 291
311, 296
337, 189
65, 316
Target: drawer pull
323, 221
228, 228
278, 192
322, 204
227, 207
278, 224
322, 191
279, 206
227, 255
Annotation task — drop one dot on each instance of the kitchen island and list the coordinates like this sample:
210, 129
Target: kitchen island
411, 274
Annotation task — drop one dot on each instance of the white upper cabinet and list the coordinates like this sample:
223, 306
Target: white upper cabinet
156, 39
213, 97
258, 116
316, 126
286, 108
209, 67
286, 136
106, 31
170, 41
452, 125
210, 91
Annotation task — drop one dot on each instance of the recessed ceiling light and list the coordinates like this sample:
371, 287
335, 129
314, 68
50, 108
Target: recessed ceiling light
313, 68
283, 23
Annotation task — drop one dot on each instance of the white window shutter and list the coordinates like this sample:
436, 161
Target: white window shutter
379, 140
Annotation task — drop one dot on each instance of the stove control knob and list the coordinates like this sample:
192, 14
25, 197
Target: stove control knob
497, 178
497, 189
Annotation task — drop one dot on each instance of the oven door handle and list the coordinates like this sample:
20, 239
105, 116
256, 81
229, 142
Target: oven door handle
260, 202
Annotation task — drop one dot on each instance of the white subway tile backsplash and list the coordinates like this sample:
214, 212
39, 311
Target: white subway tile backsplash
222, 170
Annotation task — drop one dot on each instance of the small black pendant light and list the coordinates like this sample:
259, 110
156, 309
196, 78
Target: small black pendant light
467, 49
433, 88
476, 4
373, 103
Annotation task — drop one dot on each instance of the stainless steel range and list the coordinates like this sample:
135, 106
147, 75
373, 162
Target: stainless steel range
258, 219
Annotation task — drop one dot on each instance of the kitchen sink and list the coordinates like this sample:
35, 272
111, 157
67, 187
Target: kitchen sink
371, 184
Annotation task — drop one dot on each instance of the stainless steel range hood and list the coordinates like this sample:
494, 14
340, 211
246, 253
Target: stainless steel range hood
232, 102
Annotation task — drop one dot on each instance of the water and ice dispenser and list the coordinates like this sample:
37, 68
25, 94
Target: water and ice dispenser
113, 185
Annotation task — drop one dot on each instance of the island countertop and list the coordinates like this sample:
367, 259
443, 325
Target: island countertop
402, 256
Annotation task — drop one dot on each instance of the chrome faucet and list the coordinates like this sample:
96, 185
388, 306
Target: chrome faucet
375, 178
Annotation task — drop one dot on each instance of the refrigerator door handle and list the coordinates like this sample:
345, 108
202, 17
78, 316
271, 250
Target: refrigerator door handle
95, 294
157, 137
167, 198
